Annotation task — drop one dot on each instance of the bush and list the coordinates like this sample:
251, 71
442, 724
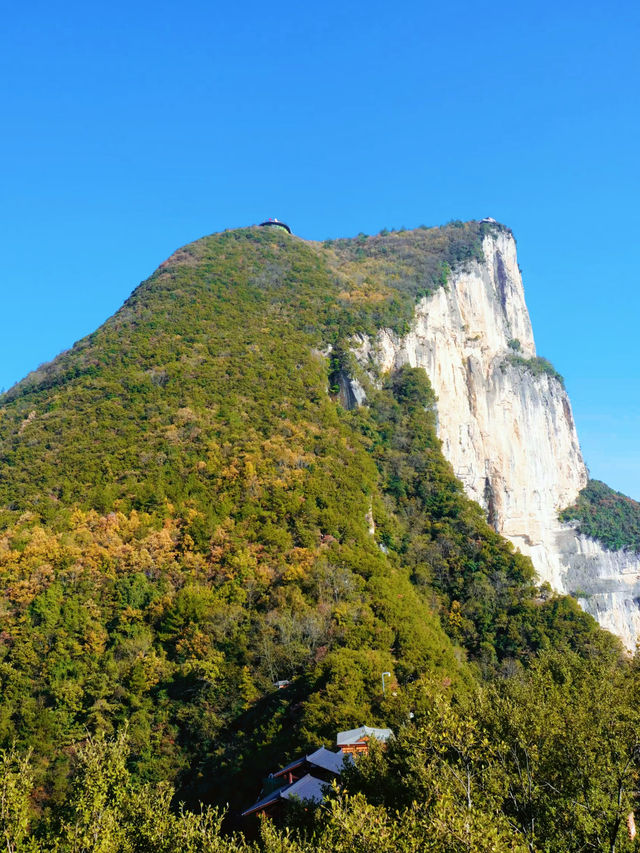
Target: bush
537, 365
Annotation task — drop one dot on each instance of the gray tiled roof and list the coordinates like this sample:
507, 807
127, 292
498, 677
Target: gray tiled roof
307, 788
265, 801
291, 766
326, 759
354, 735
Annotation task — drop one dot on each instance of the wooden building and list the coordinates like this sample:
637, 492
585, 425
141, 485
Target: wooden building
305, 777
306, 788
356, 741
301, 779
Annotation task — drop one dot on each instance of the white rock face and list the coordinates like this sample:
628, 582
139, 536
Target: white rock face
606, 583
508, 433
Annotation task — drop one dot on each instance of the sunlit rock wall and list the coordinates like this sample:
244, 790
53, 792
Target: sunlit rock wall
509, 433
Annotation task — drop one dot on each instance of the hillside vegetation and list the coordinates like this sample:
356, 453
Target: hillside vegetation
185, 514
608, 516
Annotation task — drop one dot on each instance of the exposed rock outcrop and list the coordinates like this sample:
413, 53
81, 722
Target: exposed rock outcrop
606, 583
507, 427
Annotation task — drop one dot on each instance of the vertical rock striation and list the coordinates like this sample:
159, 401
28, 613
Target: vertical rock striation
507, 428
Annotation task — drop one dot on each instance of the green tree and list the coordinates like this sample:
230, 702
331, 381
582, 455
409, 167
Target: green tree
568, 735
16, 813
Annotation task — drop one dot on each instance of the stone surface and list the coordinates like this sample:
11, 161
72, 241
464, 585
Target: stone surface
509, 433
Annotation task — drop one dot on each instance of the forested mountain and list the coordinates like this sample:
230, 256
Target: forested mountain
190, 512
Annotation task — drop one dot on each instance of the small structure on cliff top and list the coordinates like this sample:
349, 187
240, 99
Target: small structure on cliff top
275, 223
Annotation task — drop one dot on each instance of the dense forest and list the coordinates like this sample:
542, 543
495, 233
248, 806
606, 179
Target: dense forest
189, 513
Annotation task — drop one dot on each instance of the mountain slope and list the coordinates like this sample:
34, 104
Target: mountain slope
236, 311
190, 514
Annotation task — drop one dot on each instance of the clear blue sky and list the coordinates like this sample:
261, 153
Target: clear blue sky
132, 128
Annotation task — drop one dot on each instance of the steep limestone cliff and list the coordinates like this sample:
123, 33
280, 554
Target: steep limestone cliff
606, 583
507, 427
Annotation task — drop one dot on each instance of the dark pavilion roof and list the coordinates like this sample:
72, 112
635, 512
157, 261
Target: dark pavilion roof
277, 224
307, 788
322, 758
